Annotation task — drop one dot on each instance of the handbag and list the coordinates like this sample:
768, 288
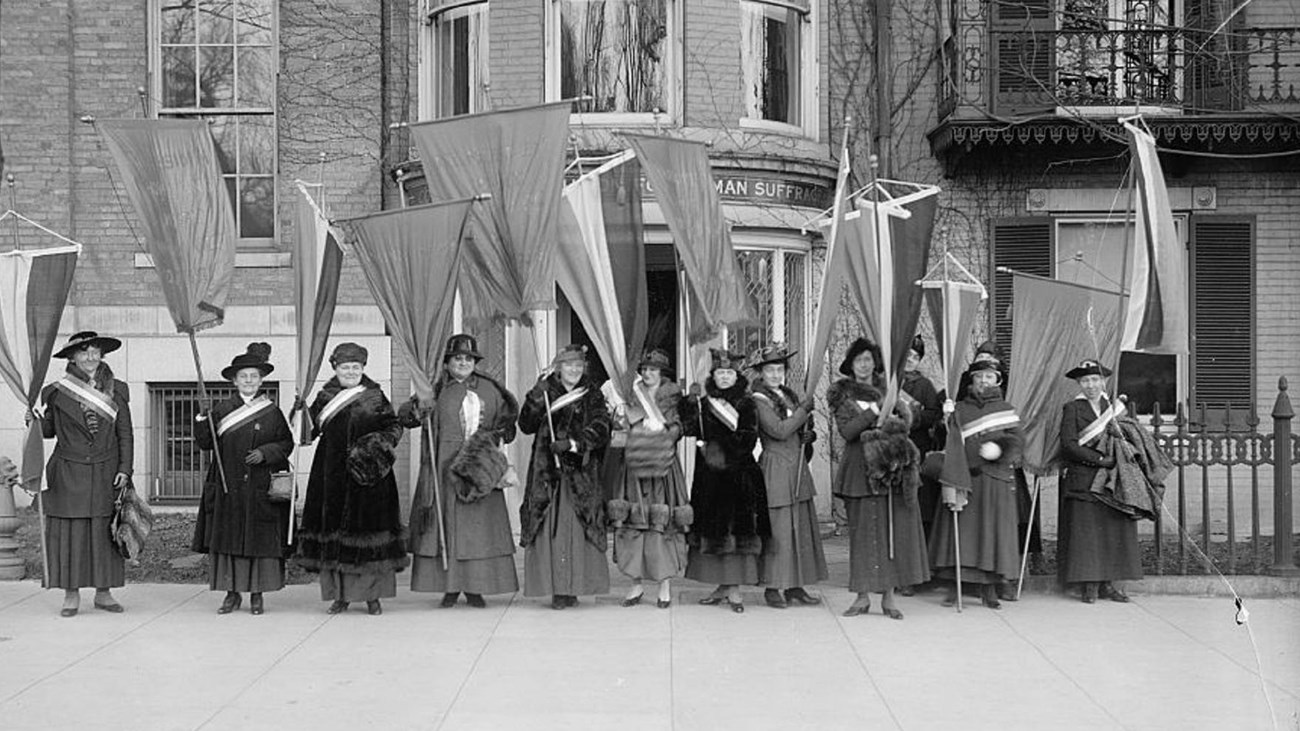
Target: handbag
132, 521
281, 489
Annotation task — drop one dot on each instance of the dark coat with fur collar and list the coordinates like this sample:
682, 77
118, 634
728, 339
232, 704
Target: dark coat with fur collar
879, 458
586, 423
727, 492
347, 526
84, 462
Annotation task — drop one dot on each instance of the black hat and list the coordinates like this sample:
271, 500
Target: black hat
86, 339
656, 359
569, 354
856, 348
461, 344
348, 353
255, 357
725, 360
984, 362
1088, 367
918, 345
773, 353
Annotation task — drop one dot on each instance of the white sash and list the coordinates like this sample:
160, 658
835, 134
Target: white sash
339, 402
1003, 419
871, 406
243, 414
648, 405
1098, 425
725, 412
87, 396
568, 398
471, 412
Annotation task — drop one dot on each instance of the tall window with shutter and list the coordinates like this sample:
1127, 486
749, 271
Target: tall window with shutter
1022, 244
1024, 62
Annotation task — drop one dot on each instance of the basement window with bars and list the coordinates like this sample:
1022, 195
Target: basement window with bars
1221, 369
179, 465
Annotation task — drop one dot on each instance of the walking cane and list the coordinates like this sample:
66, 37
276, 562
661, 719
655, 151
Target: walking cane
956, 547
1029, 532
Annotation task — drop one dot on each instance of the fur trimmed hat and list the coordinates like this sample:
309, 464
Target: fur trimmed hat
348, 353
254, 357
725, 360
656, 358
773, 353
858, 347
572, 353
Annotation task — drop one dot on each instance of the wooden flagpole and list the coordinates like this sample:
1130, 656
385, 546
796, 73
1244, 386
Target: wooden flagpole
1029, 532
437, 495
956, 547
207, 404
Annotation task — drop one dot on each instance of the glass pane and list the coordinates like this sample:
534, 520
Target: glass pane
257, 208
796, 304
223, 136
256, 78
256, 145
614, 51
454, 65
231, 183
177, 22
770, 55
178, 76
216, 76
216, 21
757, 268
253, 23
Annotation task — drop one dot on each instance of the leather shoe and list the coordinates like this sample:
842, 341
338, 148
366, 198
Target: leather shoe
337, 607
68, 612
737, 607
230, 603
373, 607
798, 594
1006, 593
1109, 591
1089, 593
856, 609
449, 599
989, 596
664, 603
711, 601
559, 601
255, 603
113, 608
632, 601
475, 600
774, 599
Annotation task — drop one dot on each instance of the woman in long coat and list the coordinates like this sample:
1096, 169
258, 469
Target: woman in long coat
649, 509
923, 400
352, 531
88, 413
878, 480
473, 416
562, 519
727, 494
994, 444
793, 558
1099, 544
239, 527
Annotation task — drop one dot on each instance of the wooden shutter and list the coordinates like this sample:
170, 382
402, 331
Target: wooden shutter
1023, 42
1022, 244
1223, 310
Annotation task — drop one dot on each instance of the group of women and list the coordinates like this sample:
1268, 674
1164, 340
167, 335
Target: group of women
745, 521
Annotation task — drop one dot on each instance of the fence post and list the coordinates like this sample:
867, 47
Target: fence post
1283, 561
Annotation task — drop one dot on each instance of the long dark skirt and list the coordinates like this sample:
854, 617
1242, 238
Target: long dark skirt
336, 585
870, 567
492, 575
1101, 544
82, 554
729, 568
989, 551
793, 557
244, 573
561, 560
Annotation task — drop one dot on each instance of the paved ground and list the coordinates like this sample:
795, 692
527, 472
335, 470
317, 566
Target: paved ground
1046, 662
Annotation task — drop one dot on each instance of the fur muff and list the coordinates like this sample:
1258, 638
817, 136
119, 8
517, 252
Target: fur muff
659, 515
132, 522
370, 459
892, 459
619, 511
480, 465
683, 516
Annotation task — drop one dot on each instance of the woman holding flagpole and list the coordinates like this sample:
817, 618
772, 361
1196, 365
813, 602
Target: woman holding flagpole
878, 481
352, 531
650, 510
793, 558
730, 503
88, 413
240, 528
562, 518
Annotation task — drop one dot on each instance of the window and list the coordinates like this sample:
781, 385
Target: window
775, 58
179, 465
216, 60
458, 49
777, 279
615, 57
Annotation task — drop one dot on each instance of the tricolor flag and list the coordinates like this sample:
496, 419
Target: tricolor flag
318, 259
828, 303
34, 288
1156, 319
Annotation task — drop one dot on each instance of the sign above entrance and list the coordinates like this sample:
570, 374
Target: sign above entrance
757, 189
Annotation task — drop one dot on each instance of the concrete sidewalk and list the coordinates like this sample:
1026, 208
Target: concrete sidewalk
1046, 662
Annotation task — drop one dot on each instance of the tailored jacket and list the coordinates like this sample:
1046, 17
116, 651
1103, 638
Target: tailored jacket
81, 469
784, 431
1080, 462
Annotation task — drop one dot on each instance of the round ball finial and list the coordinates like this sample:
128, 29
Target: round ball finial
10, 178
140, 90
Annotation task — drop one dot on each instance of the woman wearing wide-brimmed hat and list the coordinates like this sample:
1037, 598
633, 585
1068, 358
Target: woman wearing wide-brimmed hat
562, 521
877, 479
793, 558
1099, 544
472, 416
650, 510
352, 532
88, 413
241, 529
727, 494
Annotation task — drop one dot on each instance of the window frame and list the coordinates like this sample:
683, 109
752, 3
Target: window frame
157, 110
809, 75
673, 82
779, 246
428, 71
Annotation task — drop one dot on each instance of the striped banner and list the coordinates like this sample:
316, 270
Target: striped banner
34, 288
318, 259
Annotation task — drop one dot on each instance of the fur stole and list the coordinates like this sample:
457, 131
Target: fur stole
370, 459
479, 465
849, 389
783, 399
